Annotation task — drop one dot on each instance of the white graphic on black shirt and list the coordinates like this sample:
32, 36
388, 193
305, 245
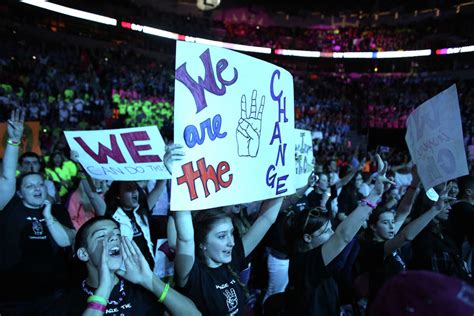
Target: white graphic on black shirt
231, 299
136, 231
119, 310
36, 228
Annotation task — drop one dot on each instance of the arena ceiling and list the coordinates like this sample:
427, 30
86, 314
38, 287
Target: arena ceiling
280, 6
325, 7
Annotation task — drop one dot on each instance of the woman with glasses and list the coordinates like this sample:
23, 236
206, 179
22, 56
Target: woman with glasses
349, 196
312, 289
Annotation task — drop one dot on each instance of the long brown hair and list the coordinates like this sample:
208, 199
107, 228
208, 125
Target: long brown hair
203, 222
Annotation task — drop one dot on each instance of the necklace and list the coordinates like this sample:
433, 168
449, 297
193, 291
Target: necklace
111, 302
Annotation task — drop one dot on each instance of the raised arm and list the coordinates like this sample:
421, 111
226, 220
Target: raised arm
265, 220
173, 153
292, 199
97, 201
409, 232
62, 235
406, 204
10, 157
347, 178
351, 225
185, 252
171, 233
155, 193
89, 188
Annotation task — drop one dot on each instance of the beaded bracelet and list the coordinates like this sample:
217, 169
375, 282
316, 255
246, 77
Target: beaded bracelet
165, 291
96, 306
13, 143
369, 204
97, 299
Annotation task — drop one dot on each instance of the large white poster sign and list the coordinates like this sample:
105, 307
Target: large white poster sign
435, 140
120, 154
234, 115
303, 156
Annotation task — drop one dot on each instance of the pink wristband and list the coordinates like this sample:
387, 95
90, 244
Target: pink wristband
369, 204
96, 306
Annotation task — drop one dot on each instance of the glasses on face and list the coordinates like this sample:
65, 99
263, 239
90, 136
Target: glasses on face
315, 212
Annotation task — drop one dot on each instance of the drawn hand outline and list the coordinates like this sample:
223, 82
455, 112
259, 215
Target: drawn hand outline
250, 126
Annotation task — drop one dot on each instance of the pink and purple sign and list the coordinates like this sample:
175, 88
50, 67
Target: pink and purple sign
120, 154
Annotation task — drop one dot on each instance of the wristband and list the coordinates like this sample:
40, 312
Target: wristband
96, 306
369, 204
163, 295
97, 299
13, 143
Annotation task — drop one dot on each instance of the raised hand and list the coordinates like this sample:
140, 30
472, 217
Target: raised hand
381, 176
15, 125
173, 153
47, 209
442, 203
106, 279
249, 126
137, 269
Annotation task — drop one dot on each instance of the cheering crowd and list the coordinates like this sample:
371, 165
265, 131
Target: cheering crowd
360, 238
346, 242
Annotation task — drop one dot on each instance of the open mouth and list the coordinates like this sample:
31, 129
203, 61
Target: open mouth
227, 252
114, 251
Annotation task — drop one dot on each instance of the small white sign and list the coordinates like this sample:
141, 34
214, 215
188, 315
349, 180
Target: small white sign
435, 140
303, 157
127, 154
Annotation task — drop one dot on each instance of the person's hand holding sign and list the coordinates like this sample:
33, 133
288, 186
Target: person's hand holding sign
250, 126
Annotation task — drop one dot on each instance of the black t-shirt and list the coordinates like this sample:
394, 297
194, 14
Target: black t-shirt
314, 198
349, 199
28, 254
460, 222
139, 239
437, 253
311, 289
216, 291
277, 237
372, 260
126, 299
